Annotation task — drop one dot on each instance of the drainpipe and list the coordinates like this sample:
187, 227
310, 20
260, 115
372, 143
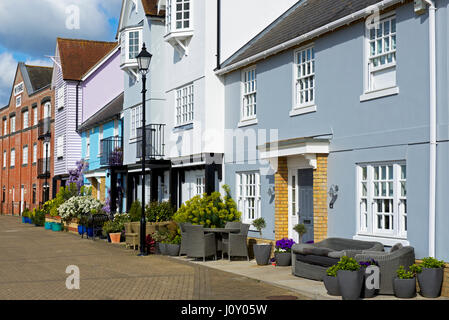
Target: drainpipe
218, 33
77, 105
433, 126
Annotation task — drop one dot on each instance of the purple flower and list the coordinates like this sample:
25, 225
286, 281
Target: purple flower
366, 264
285, 244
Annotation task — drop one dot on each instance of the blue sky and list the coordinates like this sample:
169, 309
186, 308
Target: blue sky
28, 31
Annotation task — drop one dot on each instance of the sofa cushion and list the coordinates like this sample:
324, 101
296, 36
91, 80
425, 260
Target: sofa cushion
336, 254
396, 247
317, 251
317, 260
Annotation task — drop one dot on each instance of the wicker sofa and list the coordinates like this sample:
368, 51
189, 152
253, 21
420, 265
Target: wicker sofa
311, 260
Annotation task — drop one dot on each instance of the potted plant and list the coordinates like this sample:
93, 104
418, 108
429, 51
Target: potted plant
173, 246
301, 230
262, 252
162, 238
350, 278
367, 293
113, 229
283, 252
331, 282
405, 284
430, 277
38, 218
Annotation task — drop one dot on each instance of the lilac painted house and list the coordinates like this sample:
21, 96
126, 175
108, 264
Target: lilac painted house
73, 58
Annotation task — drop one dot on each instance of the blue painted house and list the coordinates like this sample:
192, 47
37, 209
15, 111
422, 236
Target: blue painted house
336, 118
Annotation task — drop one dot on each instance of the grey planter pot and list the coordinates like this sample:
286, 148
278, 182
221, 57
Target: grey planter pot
404, 288
430, 281
262, 253
350, 283
367, 293
163, 249
283, 259
331, 285
172, 249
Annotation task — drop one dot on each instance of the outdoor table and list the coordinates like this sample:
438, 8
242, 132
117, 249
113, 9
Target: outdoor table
219, 234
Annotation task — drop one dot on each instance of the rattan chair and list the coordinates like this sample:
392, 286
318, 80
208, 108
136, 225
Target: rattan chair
184, 238
236, 244
200, 245
131, 237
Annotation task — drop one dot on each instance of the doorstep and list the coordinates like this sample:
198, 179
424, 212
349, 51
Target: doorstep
282, 277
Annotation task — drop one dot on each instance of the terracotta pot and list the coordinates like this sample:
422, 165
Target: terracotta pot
115, 237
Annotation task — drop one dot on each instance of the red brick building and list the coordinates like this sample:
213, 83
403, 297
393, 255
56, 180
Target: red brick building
26, 141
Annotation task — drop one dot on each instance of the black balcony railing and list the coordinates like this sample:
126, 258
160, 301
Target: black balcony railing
111, 152
44, 128
155, 145
43, 168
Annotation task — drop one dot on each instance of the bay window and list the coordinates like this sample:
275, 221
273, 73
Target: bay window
248, 195
382, 201
178, 15
131, 44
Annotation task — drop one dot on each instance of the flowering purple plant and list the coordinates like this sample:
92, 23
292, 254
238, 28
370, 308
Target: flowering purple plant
116, 158
284, 245
366, 264
76, 175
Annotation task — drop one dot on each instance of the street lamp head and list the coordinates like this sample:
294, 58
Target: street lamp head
144, 60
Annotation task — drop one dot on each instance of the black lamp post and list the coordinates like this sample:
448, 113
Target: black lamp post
143, 60
47, 141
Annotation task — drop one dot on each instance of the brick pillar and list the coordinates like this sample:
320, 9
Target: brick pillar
93, 183
281, 199
102, 189
320, 198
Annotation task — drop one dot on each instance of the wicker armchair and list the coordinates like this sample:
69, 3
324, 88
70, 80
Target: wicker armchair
200, 245
131, 236
236, 244
184, 238
388, 264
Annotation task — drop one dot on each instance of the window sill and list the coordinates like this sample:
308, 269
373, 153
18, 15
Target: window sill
183, 127
296, 111
247, 122
386, 241
370, 95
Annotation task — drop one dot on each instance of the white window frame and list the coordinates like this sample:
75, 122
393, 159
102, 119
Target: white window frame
18, 101
60, 98
25, 119
35, 116
60, 147
125, 46
87, 144
18, 89
185, 105
5, 159
5, 127
171, 16
200, 184
367, 204
371, 92
116, 129
44, 146
13, 124
34, 153
25, 155
248, 191
47, 110
136, 121
100, 137
307, 68
248, 94
13, 157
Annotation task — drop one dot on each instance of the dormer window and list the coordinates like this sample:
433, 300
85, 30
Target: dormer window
131, 44
179, 24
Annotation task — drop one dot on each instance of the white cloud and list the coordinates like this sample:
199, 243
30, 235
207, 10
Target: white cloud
8, 67
31, 27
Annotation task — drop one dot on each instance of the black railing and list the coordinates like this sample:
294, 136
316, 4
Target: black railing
155, 143
44, 128
111, 151
43, 168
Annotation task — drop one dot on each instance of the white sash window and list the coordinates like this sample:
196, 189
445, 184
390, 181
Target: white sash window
248, 195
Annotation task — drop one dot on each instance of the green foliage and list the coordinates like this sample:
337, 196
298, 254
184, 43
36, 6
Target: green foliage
64, 194
210, 211
159, 212
135, 212
122, 218
300, 229
176, 240
415, 268
113, 226
332, 271
163, 236
349, 264
430, 262
259, 224
404, 274
38, 217
26, 213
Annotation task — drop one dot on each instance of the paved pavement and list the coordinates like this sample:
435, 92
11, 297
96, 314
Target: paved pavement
33, 262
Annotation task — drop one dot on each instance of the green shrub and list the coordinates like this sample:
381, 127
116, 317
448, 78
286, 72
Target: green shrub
26, 213
163, 236
404, 274
259, 224
113, 226
159, 212
38, 217
135, 212
176, 240
332, 271
210, 211
430, 262
300, 229
347, 263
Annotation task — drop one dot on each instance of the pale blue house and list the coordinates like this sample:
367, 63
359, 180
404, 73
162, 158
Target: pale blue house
336, 104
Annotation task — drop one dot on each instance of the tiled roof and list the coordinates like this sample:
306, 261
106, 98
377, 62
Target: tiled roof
108, 112
40, 77
303, 17
78, 56
150, 7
